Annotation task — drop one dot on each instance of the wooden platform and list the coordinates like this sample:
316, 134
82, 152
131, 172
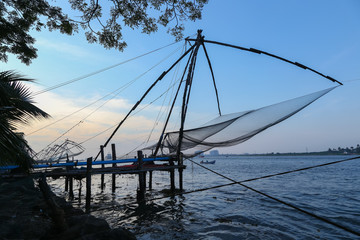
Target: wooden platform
78, 170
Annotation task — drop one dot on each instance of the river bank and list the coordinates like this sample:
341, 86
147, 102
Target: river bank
25, 214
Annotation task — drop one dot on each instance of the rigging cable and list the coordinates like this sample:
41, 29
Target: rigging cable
142, 98
283, 202
172, 106
99, 71
146, 141
109, 128
118, 90
161, 113
254, 179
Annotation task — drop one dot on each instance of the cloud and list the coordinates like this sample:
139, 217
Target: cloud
66, 48
86, 123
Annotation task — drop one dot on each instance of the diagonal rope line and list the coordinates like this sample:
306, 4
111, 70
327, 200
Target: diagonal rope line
98, 71
114, 93
109, 128
283, 202
300, 169
233, 183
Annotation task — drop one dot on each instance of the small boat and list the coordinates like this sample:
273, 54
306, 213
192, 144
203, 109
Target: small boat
207, 162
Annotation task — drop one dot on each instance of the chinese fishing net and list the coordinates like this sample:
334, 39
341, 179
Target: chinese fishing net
231, 129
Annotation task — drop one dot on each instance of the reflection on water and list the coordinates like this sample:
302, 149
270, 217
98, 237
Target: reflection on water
234, 212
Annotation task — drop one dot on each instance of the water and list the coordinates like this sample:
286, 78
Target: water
234, 212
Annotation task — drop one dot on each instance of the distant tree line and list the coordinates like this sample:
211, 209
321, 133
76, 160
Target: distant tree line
346, 150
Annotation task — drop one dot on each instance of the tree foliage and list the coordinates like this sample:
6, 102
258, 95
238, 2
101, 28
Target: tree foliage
16, 107
19, 17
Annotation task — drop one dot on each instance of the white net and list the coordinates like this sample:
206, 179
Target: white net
231, 129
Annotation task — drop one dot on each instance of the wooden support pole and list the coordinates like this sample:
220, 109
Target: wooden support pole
71, 188
102, 185
142, 179
66, 183
88, 184
150, 180
80, 186
180, 163
172, 176
67, 177
113, 152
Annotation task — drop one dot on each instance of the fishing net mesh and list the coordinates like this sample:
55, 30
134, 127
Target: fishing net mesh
232, 129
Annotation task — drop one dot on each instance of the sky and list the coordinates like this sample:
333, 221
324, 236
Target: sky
323, 35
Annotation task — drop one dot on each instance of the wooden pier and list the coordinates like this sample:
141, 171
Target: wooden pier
139, 166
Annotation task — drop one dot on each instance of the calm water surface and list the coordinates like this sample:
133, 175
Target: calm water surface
234, 212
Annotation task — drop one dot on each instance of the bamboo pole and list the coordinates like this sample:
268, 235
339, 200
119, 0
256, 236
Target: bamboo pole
180, 164
102, 185
150, 180
67, 177
113, 151
88, 184
172, 177
142, 179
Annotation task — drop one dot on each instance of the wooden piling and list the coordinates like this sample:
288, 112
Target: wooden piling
71, 188
88, 184
67, 177
102, 186
180, 163
142, 179
172, 176
114, 165
70, 181
150, 180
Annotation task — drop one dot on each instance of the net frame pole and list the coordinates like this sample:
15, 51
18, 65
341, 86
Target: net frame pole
172, 107
187, 90
254, 50
213, 77
144, 95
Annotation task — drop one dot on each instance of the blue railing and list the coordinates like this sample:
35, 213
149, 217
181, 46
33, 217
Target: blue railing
83, 163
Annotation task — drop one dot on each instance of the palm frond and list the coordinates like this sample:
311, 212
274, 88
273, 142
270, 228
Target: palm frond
16, 107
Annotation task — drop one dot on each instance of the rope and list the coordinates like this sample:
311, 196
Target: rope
98, 71
115, 93
161, 113
247, 180
109, 128
148, 139
264, 194
300, 169
142, 98
259, 192
283, 202
120, 89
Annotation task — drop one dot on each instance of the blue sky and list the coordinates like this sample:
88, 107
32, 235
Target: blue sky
323, 35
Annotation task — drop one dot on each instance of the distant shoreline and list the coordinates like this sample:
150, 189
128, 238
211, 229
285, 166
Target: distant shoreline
325, 153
